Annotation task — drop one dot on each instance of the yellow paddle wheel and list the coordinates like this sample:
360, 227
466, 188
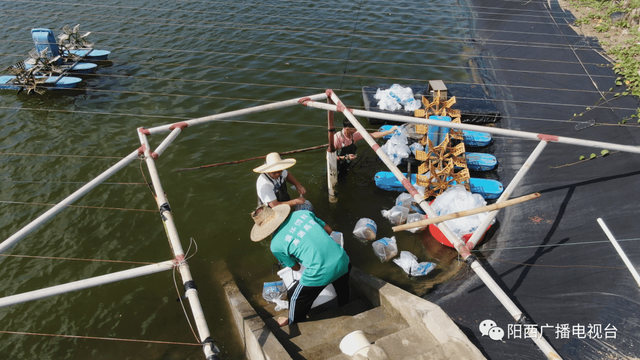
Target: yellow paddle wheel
444, 163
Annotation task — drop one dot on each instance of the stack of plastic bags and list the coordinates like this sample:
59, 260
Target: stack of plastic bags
396, 98
455, 199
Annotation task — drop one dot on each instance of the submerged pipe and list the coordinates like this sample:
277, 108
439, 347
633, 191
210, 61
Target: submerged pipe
473, 262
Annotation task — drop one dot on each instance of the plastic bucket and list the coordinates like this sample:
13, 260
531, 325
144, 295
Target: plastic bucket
355, 343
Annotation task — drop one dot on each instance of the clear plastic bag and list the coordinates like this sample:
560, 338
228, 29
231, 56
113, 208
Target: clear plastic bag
404, 199
456, 199
396, 148
415, 147
338, 238
413, 217
365, 229
274, 290
397, 215
409, 263
385, 248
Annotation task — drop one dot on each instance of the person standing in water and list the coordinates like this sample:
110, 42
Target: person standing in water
345, 143
272, 182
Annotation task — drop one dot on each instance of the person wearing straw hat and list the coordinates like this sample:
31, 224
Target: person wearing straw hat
271, 184
345, 143
301, 238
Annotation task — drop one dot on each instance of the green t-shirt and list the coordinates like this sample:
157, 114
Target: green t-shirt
302, 239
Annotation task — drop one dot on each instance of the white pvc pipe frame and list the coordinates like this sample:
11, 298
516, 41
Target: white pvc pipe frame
621, 252
504, 299
172, 234
310, 101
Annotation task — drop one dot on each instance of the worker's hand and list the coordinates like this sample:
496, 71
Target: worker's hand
300, 200
301, 190
350, 157
394, 128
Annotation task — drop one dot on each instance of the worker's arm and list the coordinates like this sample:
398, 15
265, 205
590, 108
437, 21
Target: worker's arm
292, 180
379, 134
297, 201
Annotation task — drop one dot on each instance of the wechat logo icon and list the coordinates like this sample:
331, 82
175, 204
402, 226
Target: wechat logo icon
491, 329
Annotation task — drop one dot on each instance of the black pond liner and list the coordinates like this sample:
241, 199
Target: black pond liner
549, 254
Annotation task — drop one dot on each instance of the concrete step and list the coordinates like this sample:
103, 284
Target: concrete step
416, 344
331, 348
311, 333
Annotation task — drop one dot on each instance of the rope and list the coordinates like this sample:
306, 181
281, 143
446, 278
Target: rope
149, 20
254, 158
98, 338
557, 266
355, 26
79, 259
76, 206
64, 182
57, 155
550, 245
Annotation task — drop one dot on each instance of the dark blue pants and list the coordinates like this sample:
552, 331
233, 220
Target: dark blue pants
302, 297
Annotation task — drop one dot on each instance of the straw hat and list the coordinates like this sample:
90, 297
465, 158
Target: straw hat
267, 220
274, 163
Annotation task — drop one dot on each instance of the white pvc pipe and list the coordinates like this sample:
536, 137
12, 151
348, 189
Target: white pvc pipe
174, 241
621, 252
172, 232
332, 175
167, 141
86, 283
504, 299
20, 234
230, 114
491, 130
482, 228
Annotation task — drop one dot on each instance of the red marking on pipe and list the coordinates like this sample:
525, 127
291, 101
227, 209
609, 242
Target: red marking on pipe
154, 155
329, 92
141, 150
180, 125
375, 147
340, 107
466, 249
546, 137
304, 100
407, 185
180, 258
412, 190
144, 131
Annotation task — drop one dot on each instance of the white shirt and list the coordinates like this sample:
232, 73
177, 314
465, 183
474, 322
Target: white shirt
266, 188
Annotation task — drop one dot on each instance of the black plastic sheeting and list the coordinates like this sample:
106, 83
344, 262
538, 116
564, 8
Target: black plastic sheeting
472, 101
550, 255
